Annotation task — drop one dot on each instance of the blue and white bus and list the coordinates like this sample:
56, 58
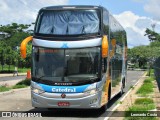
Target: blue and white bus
78, 57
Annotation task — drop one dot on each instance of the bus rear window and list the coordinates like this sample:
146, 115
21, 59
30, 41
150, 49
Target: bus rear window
73, 22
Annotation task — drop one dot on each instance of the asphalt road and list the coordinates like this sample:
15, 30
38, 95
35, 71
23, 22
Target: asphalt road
21, 102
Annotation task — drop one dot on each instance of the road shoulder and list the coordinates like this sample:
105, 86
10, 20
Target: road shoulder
126, 101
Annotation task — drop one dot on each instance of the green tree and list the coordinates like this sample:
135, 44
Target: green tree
152, 35
11, 36
143, 54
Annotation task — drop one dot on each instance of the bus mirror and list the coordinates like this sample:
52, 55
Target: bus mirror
104, 46
23, 46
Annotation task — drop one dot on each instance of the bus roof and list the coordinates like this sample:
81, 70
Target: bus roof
71, 7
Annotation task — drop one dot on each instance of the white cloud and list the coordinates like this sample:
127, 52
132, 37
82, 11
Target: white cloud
135, 26
152, 7
23, 11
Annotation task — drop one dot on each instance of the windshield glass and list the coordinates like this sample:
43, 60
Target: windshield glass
71, 22
66, 65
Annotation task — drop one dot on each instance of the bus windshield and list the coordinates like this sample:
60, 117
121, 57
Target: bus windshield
66, 65
70, 22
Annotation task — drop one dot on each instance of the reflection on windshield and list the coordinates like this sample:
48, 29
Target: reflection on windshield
71, 65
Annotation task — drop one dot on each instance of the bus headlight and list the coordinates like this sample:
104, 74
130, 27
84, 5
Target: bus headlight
37, 91
90, 92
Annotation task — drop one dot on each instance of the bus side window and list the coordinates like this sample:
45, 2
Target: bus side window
105, 22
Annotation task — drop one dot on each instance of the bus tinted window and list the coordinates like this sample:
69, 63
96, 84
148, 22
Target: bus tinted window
71, 22
105, 22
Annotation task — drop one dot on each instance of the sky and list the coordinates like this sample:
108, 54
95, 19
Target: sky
134, 15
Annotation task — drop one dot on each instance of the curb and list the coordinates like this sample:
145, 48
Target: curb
14, 90
121, 100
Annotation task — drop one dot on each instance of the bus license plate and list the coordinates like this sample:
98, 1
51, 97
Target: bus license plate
63, 103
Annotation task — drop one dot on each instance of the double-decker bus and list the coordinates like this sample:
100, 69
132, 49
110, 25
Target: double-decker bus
78, 57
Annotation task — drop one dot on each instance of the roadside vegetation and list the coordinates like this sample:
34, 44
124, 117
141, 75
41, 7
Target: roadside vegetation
11, 36
22, 84
11, 68
4, 88
146, 88
144, 56
144, 101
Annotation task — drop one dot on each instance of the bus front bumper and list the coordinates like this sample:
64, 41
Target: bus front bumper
46, 101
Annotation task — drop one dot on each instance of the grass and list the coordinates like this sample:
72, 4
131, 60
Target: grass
142, 105
148, 80
146, 88
11, 70
143, 101
24, 82
4, 88
23, 70
151, 73
21, 84
140, 108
